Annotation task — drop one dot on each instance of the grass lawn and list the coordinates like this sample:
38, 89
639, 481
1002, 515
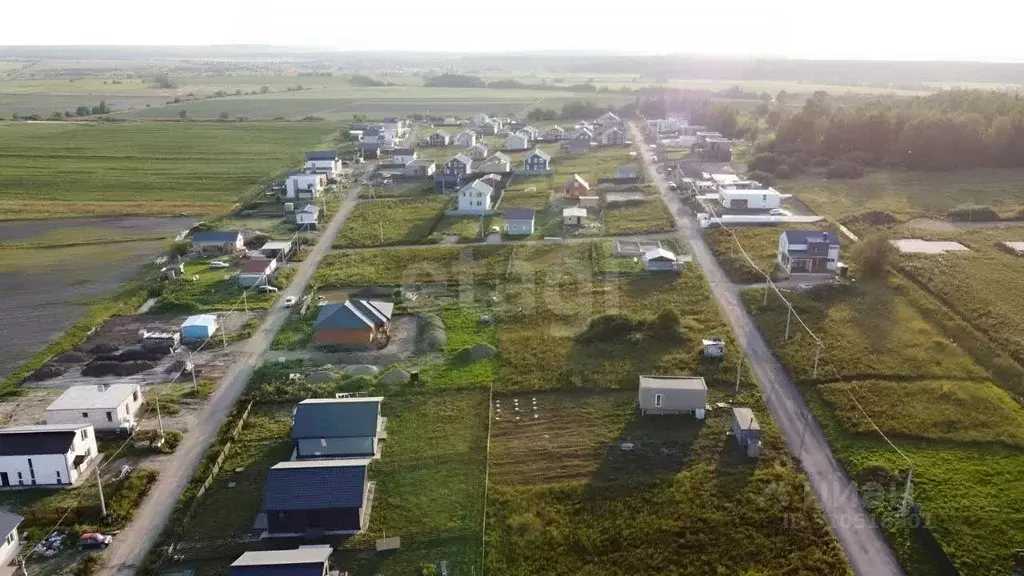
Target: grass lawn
215, 290
636, 217
412, 265
907, 194
297, 331
760, 243
153, 168
466, 228
463, 328
388, 222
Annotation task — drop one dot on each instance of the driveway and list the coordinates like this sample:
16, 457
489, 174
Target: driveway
126, 553
866, 548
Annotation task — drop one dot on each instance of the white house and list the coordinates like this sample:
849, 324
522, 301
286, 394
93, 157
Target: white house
479, 119
574, 216
660, 259
323, 162
532, 132
466, 138
258, 272
490, 128
808, 251
306, 218
478, 151
9, 532
518, 221
613, 137
304, 186
516, 142
554, 133
105, 406
476, 197
404, 156
608, 119
45, 455
738, 199
582, 133
497, 163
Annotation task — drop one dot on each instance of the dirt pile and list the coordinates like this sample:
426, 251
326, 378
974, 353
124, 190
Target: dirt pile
360, 370
475, 352
107, 368
71, 358
396, 376
46, 372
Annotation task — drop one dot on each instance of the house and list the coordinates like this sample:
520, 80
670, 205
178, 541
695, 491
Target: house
476, 197
673, 395
198, 327
9, 532
420, 168
258, 272
370, 149
745, 199
404, 156
355, 322
478, 151
576, 187
518, 221
394, 125
589, 201
337, 428
298, 186
466, 138
498, 162
323, 162
277, 249
480, 119
608, 119
537, 161
555, 133
704, 136
576, 147
218, 242
613, 137
458, 165
746, 430
306, 218
439, 138
104, 406
627, 173
808, 251
574, 216
660, 259
516, 142
718, 149
530, 131
311, 560
316, 498
45, 455
490, 128
582, 133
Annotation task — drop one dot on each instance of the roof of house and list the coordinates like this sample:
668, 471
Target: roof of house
9, 522
659, 254
200, 320
520, 135
480, 186
610, 130
336, 417
460, 157
555, 128
541, 153
315, 484
403, 151
301, 555
673, 382
335, 447
93, 397
578, 178
481, 145
518, 214
228, 237
353, 314
746, 419
368, 145
501, 157
609, 113
441, 133
466, 132
577, 144
322, 155
277, 244
40, 439
310, 209
258, 266
808, 236
574, 212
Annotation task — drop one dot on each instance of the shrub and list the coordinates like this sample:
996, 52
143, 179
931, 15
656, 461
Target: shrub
783, 172
872, 255
607, 328
87, 566
763, 177
844, 169
666, 326
973, 213
765, 162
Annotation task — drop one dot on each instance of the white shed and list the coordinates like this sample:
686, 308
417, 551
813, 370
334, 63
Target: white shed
106, 407
713, 347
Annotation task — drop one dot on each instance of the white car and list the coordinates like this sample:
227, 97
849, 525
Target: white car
266, 290
778, 212
219, 264
289, 301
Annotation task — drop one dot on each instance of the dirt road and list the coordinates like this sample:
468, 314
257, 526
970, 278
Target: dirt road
866, 548
129, 549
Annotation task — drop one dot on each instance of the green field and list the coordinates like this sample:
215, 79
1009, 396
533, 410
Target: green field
636, 217
389, 222
205, 289
175, 168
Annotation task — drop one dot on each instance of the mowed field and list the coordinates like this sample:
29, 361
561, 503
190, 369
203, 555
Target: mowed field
174, 168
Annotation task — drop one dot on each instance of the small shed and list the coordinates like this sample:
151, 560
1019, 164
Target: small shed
574, 216
199, 327
713, 348
302, 561
746, 430
673, 395
660, 259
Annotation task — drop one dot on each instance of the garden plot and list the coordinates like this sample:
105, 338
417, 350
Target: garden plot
917, 246
388, 222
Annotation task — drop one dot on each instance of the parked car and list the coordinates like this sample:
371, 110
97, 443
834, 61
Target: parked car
219, 264
672, 186
778, 212
289, 301
94, 540
266, 289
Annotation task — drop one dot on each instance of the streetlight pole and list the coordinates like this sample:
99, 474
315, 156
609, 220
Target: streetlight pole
789, 315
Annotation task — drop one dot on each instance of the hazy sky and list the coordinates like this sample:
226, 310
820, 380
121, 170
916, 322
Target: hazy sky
871, 29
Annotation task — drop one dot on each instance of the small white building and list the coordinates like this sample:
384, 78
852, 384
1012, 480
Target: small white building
660, 260
713, 347
105, 406
307, 217
304, 186
45, 455
478, 151
574, 216
479, 119
735, 199
323, 162
518, 221
9, 532
516, 142
476, 197
466, 138
554, 133
404, 156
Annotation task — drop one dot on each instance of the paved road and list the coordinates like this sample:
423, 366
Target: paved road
866, 548
578, 240
129, 549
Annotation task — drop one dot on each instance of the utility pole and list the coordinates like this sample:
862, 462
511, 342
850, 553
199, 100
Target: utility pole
192, 369
766, 286
380, 223
789, 315
159, 419
739, 370
906, 491
245, 299
99, 484
817, 355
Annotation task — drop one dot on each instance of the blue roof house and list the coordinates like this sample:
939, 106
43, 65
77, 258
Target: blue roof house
312, 498
337, 428
302, 561
218, 242
199, 327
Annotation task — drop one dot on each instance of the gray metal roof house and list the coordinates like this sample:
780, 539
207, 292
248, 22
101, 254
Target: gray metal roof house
9, 534
218, 241
745, 426
316, 497
302, 561
673, 395
337, 428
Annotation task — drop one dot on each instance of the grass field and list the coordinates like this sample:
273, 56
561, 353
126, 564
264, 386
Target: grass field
413, 265
636, 217
389, 222
152, 169
215, 290
909, 195
760, 243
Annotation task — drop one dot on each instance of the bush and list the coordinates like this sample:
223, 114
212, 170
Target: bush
783, 172
764, 178
607, 328
844, 169
972, 213
666, 326
87, 566
872, 255
765, 163
128, 494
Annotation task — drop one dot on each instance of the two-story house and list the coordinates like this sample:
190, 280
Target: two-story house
46, 455
613, 137
458, 165
304, 186
325, 428
476, 197
403, 156
518, 141
537, 161
808, 251
439, 138
554, 134
324, 162
466, 138
478, 151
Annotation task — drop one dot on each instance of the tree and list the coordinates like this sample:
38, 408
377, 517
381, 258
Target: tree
224, 116
82, 111
183, 114
872, 255
264, 89
844, 169
164, 81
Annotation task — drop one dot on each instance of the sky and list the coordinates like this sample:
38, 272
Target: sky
982, 30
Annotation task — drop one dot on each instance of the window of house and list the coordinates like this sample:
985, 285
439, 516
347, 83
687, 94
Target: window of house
135, 396
85, 433
10, 538
110, 417
657, 400
85, 414
58, 478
